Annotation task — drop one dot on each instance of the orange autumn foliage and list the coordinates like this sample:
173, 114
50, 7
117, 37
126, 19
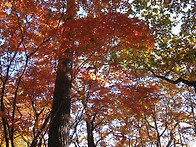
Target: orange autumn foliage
35, 35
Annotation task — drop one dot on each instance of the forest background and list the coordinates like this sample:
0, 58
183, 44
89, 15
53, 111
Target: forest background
87, 72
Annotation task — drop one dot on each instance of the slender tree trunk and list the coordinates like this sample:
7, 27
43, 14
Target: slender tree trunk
60, 114
90, 137
4, 120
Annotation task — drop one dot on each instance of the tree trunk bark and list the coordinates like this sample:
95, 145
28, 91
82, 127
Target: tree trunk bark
60, 113
90, 137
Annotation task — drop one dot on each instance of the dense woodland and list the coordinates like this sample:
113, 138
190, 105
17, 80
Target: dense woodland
105, 73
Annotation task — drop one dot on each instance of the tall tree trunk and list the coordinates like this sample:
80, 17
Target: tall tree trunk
60, 114
90, 137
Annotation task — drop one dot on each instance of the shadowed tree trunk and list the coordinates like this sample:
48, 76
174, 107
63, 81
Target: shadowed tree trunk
60, 114
90, 137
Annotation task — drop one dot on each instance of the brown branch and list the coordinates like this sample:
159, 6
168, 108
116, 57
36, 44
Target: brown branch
187, 82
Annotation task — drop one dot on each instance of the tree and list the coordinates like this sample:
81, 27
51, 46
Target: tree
21, 38
112, 31
106, 100
173, 59
38, 35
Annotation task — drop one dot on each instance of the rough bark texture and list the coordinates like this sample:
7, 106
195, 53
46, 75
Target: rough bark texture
60, 114
90, 137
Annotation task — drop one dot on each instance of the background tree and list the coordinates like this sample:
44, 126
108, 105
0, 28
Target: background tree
174, 57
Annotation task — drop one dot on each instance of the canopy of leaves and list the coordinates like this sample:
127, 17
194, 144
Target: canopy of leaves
117, 47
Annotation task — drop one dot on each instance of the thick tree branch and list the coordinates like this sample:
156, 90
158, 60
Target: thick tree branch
187, 82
